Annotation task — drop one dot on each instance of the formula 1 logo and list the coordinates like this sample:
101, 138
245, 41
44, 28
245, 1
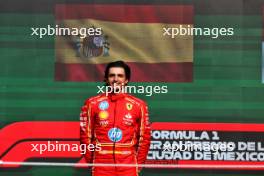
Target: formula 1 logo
115, 134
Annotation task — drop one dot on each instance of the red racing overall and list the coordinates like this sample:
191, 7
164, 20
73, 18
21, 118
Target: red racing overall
119, 123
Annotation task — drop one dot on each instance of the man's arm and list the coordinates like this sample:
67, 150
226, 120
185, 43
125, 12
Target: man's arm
86, 129
144, 135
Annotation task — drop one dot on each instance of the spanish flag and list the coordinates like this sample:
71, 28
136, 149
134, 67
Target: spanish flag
132, 33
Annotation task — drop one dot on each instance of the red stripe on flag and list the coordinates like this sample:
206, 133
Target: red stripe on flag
179, 14
141, 72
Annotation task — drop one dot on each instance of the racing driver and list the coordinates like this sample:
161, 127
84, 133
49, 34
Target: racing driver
119, 123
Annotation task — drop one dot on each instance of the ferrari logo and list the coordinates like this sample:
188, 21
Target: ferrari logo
129, 106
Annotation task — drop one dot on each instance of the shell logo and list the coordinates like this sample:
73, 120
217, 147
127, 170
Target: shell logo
103, 115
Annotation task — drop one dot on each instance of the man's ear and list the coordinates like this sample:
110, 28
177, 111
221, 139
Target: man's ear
126, 81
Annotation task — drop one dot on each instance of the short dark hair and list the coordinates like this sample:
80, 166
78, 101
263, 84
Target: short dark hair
121, 64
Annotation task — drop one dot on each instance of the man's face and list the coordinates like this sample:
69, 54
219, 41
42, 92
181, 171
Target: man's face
116, 78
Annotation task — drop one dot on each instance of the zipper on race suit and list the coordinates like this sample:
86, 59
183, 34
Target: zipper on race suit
114, 126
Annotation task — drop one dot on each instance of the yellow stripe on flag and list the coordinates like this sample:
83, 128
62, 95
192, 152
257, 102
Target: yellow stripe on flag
131, 42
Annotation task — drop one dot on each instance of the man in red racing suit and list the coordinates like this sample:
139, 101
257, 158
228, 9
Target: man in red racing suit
119, 123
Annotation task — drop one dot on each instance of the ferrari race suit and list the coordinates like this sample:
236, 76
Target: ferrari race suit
119, 123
